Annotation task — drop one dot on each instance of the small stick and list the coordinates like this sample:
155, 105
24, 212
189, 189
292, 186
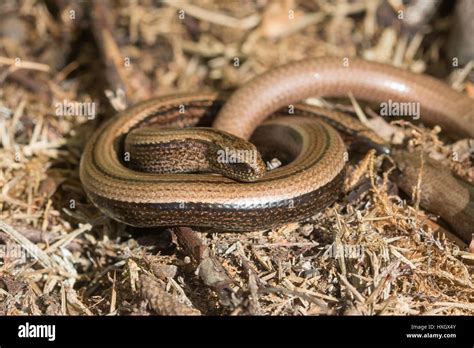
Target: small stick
114, 61
453, 200
215, 17
210, 270
24, 64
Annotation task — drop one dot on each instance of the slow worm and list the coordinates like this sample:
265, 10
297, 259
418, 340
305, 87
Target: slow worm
315, 153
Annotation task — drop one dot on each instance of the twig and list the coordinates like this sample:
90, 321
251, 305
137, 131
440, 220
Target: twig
209, 269
31, 248
114, 62
287, 245
448, 196
69, 237
468, 306
24, 64
215, 17
351, 288
272, 289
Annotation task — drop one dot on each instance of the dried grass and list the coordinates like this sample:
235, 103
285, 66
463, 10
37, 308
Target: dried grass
85, 264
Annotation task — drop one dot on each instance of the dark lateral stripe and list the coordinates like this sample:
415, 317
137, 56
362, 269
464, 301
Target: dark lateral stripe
232, 217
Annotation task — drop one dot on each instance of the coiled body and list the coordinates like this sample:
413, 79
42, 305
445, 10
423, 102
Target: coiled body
316, 154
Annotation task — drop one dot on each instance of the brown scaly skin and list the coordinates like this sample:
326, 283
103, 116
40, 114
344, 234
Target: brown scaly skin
164, 150
292, 192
